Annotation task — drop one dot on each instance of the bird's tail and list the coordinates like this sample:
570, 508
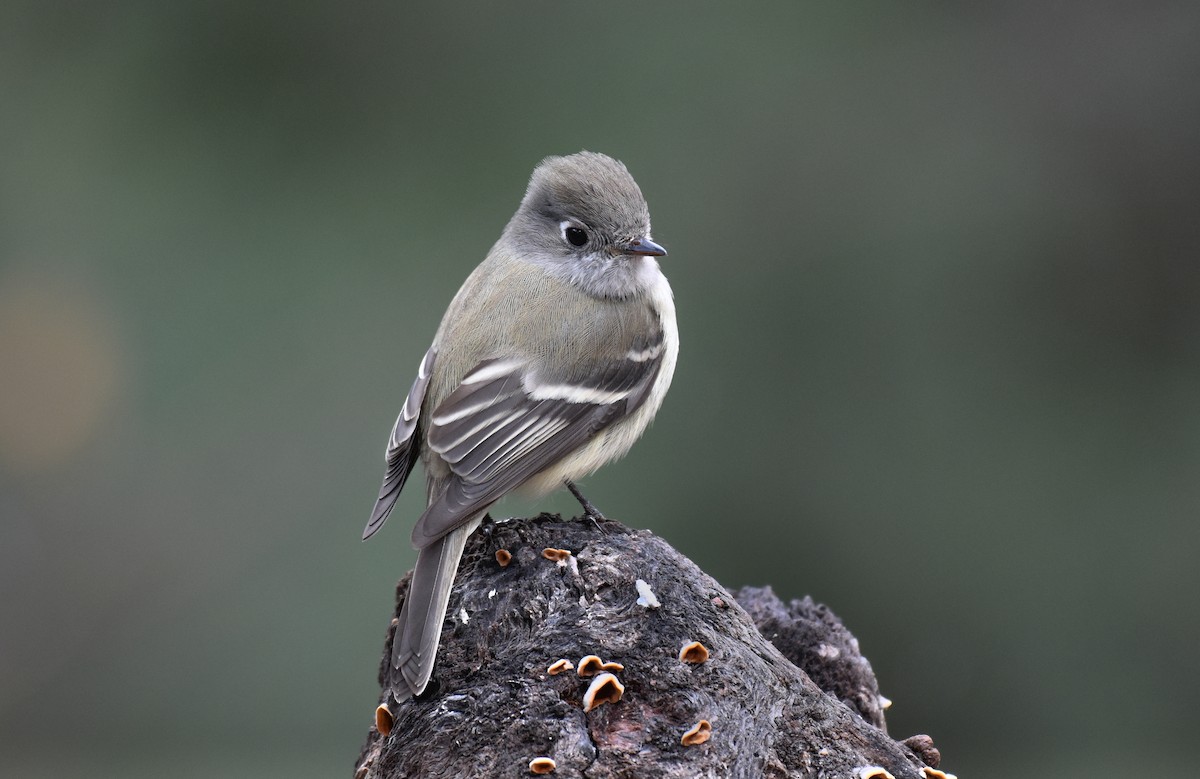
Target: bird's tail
419, 628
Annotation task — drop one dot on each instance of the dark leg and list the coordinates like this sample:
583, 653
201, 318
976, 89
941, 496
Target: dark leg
589, 511
487, 526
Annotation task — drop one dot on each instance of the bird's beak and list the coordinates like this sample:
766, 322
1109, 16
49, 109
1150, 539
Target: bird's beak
645, 247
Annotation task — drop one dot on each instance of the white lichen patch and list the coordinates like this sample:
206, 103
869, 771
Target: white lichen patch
646, 597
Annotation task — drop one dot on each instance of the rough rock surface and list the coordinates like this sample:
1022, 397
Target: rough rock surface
493, 707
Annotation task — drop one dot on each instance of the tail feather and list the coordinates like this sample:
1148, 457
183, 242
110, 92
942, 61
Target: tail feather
419, 628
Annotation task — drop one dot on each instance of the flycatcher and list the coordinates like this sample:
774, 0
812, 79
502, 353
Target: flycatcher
550, 361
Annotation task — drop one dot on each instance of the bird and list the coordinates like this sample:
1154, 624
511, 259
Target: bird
550, 361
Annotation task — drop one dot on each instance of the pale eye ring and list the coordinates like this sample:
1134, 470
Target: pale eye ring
573, 234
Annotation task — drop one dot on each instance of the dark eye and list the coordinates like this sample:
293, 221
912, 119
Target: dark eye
575, 236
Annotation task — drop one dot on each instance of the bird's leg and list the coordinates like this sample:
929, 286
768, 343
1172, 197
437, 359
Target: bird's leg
589, 511
487, 526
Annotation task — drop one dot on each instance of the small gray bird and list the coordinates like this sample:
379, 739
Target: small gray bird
550, 361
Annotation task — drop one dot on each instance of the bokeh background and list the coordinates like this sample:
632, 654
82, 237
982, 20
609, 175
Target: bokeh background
938, 282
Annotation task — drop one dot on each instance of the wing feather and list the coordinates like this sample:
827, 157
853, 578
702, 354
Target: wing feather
402, 450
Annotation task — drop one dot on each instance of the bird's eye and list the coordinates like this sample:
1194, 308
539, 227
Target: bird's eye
576, 236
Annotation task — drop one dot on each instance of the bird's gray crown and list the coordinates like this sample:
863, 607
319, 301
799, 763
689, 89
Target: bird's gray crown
593, 188
579, 215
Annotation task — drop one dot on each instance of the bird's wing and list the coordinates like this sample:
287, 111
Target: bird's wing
402, 450
507, 421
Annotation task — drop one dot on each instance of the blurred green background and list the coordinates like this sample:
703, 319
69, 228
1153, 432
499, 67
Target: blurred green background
938, 276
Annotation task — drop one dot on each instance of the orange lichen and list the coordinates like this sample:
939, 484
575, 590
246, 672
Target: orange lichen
933, 773
383, 720
504, 557
612, 666
698, 734
559, 666
542, 765
694, 653
589, 666
874, 772
557, 555
605, 688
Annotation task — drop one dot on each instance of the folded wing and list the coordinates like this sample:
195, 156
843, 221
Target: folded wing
508, 420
